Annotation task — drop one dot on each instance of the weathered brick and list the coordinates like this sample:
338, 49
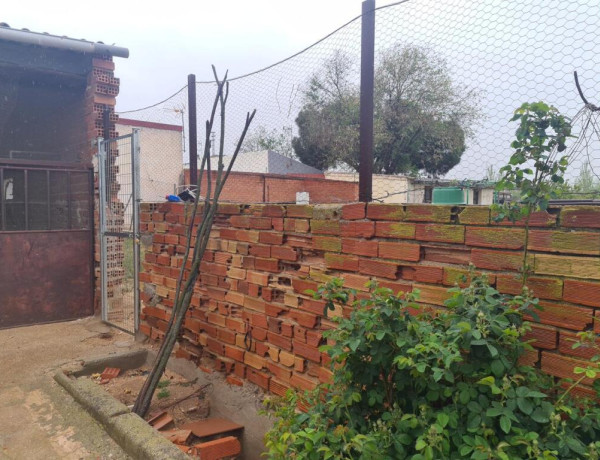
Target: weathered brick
395, 286
303, 318
433, 295
260, 250
286, 358
562, 366
270, 238
281, 342
379, 211
262, 279
325, 227
284, 253
301, 286
428, 213
498, 260
582, 292
542, 336
447, 255
474, 215
302, 383
401, 230
254, 304
575, 267
234, 353
378, 268
563, 315
268, 265
341, 262
536, 219
359, 247
586, 243
492, 237
568, 339
364, 229
357, 282
278, 388
305, 211
259, 378
544, 288
327, 243
281, 373
441, 233
229, 208
307, 351
424, 274
354, 211
255, 361
580, 216
236, 273
399, 250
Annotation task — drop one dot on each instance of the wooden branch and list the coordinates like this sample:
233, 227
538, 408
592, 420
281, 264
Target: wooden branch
592, 107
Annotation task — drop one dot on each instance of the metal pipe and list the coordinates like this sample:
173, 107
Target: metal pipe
193, 130
64, 43
367, 83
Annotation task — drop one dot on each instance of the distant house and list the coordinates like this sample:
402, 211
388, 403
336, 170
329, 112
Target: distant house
161, 161
407, 189
269, 162
268, 177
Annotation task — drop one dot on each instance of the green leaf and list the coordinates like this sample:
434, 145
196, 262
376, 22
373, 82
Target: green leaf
443, 419
505, 424
420, 444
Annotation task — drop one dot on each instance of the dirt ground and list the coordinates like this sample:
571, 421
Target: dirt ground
185, 400
38, 419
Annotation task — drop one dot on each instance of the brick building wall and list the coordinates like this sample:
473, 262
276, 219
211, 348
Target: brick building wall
244, 187
262, 258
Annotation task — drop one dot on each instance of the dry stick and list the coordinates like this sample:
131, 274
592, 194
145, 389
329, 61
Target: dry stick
182, 303
149, 387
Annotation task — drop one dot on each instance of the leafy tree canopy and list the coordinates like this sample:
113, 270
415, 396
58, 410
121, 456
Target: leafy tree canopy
421, 116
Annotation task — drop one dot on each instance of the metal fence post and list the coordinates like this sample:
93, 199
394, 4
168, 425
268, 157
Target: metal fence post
367, 83
102, 225
137, 198
193, 129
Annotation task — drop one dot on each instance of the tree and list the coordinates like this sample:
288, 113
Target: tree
197, 239
422, 117
264, 139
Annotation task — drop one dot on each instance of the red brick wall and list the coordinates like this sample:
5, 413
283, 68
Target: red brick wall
244, 187
263, 257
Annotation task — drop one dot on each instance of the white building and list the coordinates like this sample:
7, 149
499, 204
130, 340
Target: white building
161, 157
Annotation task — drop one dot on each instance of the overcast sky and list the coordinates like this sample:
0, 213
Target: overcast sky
169, 39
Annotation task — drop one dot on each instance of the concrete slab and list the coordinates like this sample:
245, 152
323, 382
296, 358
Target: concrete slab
38, 419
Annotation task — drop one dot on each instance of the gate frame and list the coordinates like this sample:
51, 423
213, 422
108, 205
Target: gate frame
134, 234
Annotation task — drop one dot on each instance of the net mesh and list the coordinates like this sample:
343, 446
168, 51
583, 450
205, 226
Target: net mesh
448, 77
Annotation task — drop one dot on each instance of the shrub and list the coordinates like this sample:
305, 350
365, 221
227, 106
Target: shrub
414, 383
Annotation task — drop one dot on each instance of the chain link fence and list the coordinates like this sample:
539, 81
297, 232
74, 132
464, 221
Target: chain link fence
448, 76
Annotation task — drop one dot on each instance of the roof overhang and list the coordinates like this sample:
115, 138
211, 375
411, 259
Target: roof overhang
64, 43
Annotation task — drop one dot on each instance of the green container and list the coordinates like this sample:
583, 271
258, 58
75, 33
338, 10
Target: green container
448, 195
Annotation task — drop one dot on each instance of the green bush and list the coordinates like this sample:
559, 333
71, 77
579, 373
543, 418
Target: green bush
412, 383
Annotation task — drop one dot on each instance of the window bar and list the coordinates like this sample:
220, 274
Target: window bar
48, 196
26, 186
2, 212
69, 199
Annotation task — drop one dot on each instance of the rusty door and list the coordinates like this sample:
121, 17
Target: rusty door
46, 243
118, 161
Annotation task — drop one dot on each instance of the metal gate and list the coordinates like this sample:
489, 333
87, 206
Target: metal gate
118, 170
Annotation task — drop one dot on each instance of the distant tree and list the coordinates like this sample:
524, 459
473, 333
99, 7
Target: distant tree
421, 117
262, 138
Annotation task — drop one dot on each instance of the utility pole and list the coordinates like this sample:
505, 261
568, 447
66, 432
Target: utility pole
367, 83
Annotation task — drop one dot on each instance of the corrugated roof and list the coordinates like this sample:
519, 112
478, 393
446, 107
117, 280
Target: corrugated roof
47, 40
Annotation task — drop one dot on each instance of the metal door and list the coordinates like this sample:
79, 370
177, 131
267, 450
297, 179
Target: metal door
118, 170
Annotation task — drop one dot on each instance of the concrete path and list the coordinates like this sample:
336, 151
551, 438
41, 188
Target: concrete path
38, 419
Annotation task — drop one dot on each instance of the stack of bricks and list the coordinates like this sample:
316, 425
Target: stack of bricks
100, 98
252, 318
